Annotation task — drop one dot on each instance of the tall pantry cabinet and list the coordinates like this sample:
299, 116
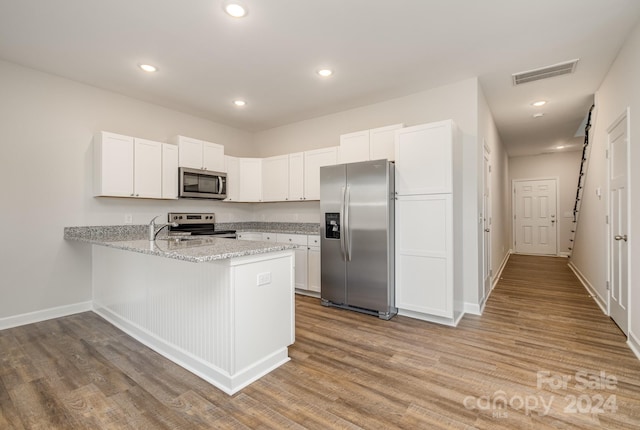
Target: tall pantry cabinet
429, 222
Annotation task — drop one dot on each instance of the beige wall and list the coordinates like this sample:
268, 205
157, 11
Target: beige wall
619, 90
46, 129
564, 166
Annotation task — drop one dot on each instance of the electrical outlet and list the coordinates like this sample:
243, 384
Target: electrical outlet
264, 278
128, 219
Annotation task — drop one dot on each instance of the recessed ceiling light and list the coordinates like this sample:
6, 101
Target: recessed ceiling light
235, 9
325, 73
148, 68
538, 115
239, 103
539, 103
560, 147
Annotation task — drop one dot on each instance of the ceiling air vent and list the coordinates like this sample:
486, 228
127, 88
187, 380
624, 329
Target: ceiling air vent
545, 72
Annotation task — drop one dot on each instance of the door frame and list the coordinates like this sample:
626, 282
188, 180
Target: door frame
487, 223
609, 233
556, 179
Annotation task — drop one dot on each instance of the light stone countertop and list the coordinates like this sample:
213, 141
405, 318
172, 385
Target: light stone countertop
196, 250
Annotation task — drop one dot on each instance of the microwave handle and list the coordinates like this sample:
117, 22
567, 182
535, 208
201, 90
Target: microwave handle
219, 185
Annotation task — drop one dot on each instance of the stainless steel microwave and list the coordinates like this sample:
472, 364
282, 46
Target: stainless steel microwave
202, 184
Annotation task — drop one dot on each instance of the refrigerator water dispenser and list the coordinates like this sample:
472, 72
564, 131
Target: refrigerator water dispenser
332, 225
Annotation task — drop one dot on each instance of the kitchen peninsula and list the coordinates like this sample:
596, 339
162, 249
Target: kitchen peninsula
221, 308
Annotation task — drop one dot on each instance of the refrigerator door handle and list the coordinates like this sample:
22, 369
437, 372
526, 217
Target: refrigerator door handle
347, 226
342, 227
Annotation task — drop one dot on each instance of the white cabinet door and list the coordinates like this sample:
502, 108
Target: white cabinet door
354, 147
313, 264
198, 154
382, 142
424, 159
313, 160
189, 152
296, 176
213, 157
169, 171
301, 256
232, 167
147, 171
275, 178
250, 179
113, 165
424, 254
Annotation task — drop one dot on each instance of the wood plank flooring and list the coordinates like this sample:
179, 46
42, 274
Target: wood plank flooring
348, 370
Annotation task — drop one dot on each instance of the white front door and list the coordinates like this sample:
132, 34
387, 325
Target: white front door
535, 217
486, 224
618, 226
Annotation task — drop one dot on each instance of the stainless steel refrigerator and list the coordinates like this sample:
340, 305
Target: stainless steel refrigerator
357, 237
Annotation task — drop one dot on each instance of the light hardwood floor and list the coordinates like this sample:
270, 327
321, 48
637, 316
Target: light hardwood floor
348, 370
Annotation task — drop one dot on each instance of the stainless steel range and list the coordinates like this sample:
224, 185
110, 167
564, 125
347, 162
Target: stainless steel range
196, 224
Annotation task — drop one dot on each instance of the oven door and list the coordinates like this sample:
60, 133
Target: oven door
202, 184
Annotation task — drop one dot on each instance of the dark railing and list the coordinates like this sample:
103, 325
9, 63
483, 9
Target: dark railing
581, 177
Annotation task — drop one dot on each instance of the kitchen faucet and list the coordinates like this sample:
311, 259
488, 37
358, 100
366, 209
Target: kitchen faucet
152, 232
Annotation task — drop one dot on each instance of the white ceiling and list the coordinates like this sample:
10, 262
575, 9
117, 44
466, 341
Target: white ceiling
379, 50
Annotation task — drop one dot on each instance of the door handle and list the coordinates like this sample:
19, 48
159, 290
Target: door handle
343, 226
347, 221
487, 230
618, 237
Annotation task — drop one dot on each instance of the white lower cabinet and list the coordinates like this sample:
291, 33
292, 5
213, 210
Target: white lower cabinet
424, 254
300, 240
313, 263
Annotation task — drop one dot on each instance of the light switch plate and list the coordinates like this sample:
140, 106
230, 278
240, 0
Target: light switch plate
264, 278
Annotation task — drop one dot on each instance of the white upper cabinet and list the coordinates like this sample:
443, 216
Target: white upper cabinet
354, 147
232, 167
198, 154
169, 171
313, 160
296, 176
374, 144
147, 170
250, 179
275, 178
382, 142
424, 158
213, 157
112, 165
125, 166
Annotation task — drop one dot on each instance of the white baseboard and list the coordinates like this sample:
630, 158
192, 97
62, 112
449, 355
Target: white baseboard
600, 301
478, 308
45, 314
496, 278
634, 344
473, 308
563, 254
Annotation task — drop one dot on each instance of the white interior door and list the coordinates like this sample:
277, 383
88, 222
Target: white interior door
618, 226
535, 217
486, 221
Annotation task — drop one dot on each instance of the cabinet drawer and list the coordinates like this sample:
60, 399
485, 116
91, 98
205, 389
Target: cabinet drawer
313, 240
298, 239
269, 237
